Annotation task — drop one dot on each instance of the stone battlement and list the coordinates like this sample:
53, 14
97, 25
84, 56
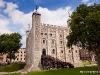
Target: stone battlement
53, 26
48, 26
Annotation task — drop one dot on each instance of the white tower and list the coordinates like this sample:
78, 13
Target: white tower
33, 44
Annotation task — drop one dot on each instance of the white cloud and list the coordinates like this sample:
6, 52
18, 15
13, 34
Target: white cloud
23, 38
91, 3
3, 25
13, 13
3, 22
22, 31
23, 41
16, 16
2, 31
55, 17
85, 1
2, 3
25, 20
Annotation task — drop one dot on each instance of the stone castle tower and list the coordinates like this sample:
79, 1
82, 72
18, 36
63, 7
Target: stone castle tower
50, 40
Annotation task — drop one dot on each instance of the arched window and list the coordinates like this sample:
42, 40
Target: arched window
45, 33
53, 51
43, 41
69, 51
61, 51
76, 51
50, 34
61, 42
53, 41
41, 33
60, 36
43, 51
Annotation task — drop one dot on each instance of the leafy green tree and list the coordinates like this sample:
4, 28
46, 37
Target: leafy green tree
85, 29
9, 44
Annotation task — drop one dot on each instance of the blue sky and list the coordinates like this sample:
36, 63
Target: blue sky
15, 15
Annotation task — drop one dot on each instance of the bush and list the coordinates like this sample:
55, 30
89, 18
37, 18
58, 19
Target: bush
12, 67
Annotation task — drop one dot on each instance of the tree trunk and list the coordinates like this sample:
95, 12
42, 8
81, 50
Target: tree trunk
98, 61
10, 60
98, 58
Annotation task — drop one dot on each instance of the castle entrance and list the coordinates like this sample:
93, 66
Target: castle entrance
43, 51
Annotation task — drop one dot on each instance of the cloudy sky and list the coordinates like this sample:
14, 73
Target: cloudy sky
15, 15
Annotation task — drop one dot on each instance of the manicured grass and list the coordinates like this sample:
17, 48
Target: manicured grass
86, 62
70, 71
12, 67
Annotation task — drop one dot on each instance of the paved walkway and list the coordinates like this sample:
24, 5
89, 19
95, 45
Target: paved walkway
21, 73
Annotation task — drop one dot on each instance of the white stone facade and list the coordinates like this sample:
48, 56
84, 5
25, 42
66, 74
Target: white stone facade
50, 40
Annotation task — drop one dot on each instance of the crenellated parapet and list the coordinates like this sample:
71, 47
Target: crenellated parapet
53, 27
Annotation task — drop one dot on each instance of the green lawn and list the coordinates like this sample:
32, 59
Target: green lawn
86, 62
12, 67
70, 71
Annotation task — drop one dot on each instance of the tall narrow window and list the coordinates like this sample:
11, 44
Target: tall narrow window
41, 33
69, 51
53, 41
61, 51
60, 35
43, 51
45, 33
53, 51
50, 34
61, 42
43, 41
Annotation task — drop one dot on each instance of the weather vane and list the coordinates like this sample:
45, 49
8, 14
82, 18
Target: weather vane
36, 7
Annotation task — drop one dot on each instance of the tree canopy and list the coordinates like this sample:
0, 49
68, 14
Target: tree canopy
85, 28
9, 44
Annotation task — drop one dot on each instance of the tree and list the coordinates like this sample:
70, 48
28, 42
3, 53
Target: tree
85, 29
9, 44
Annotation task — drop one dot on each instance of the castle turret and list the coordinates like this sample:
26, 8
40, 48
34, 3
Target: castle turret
33, 44
36, 37
36, 18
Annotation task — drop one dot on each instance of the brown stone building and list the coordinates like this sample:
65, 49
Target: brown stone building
20, 56
87, 55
